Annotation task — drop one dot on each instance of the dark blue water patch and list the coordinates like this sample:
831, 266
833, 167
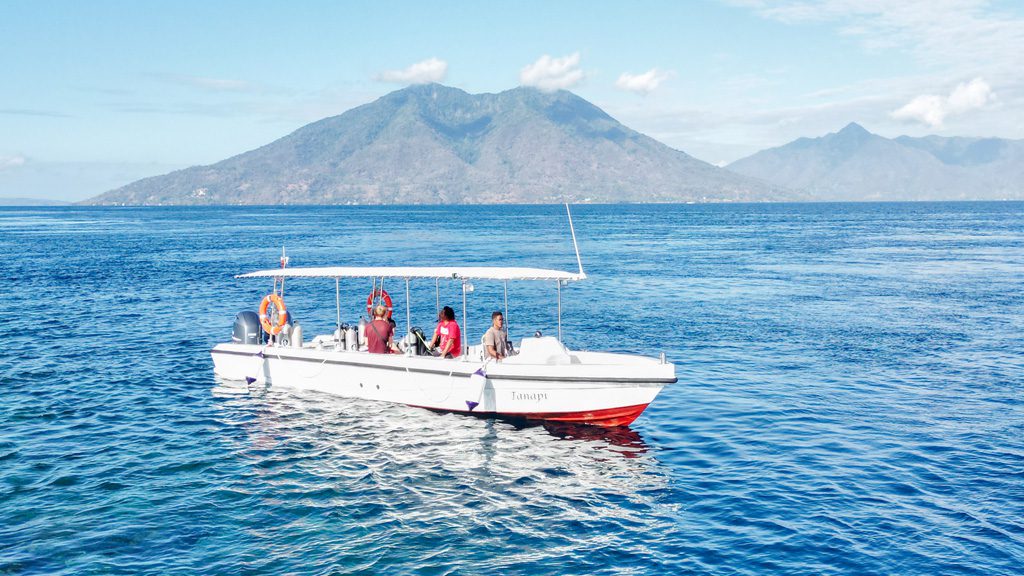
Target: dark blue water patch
849, 397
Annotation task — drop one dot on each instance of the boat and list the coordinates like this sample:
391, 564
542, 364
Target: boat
541, 380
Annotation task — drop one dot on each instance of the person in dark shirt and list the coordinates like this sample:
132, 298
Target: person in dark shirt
379, 333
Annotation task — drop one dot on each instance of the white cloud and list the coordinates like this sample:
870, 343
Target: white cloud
932, 109
429, 70
12, 161
641, 83
550, 74
965, 36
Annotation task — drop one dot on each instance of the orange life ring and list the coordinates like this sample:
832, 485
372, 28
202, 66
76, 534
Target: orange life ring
282, 314
383, 295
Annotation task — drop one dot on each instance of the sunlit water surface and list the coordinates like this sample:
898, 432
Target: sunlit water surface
849, 396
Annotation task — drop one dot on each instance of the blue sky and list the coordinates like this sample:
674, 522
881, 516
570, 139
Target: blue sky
96, 94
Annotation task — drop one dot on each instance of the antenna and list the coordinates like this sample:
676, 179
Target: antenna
574, 245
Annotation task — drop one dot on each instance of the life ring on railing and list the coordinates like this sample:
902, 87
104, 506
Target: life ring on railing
382, 295
282, 314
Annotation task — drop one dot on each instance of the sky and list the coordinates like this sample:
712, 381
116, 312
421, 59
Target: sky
94, 95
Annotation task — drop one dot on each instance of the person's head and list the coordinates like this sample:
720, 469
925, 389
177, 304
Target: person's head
380, 311
497, 319
447, 313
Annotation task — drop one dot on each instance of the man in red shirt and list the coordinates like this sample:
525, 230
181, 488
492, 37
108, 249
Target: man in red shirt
447, 337
379, 332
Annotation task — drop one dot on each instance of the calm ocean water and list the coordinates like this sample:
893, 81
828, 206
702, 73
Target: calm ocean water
850, 396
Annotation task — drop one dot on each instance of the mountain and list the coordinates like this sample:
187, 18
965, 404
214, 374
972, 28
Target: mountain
435, 144
854, 164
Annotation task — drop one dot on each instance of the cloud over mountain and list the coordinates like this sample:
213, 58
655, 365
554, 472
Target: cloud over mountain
932, 109
644, 83
425, 72
550, 74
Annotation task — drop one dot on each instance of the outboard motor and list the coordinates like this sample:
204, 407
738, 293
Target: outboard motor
247, 329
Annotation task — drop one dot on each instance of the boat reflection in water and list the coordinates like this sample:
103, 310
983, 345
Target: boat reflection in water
420, 466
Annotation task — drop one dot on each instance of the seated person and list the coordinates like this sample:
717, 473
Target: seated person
494, 338
447, 337
379, 333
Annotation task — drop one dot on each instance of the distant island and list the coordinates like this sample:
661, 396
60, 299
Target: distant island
433, 144
32, 202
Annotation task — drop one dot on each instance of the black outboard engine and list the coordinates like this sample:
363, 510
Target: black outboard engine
247, 329
421, 345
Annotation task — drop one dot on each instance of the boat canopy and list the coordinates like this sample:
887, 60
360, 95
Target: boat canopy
407, 272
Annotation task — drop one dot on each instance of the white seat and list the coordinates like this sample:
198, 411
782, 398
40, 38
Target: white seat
544, 350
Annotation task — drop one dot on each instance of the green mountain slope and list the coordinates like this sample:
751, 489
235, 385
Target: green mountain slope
436, 144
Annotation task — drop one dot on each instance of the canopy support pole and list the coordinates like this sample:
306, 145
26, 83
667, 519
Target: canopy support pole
506, 310
408, 309
558, 284
373, 290
337, 298
465, 329
437, 296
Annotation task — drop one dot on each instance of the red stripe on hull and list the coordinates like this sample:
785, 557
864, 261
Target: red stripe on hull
622, 416
608, 417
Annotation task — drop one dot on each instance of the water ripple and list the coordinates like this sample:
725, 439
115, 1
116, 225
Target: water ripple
849, 398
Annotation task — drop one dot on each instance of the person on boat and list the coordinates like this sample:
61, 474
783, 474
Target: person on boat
494, 338
447, 340
380, 332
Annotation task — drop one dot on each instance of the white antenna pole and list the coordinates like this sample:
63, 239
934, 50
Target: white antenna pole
284, 262
574, 245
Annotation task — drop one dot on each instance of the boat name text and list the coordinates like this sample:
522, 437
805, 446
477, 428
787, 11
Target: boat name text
538, 396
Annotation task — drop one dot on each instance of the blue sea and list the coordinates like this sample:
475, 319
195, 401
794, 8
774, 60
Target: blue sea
850, 395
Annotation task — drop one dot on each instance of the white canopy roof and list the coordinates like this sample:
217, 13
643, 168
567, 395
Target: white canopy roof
450, 272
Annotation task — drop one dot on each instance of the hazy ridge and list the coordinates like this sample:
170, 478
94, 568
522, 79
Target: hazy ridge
854, 164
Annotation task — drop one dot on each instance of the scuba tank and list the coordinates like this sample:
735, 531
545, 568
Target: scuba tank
362, 332
296, 336
351, 338
339, 336
421, 347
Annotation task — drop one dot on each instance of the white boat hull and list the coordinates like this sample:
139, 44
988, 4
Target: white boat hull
587, 387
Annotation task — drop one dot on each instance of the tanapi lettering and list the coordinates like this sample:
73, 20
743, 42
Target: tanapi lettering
537, 396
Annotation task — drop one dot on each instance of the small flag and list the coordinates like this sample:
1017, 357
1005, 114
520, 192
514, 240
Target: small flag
480, 379
249, 379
